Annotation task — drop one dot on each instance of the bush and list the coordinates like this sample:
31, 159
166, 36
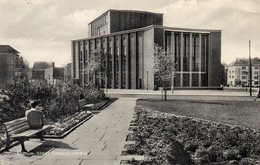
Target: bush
57, 100
204, 142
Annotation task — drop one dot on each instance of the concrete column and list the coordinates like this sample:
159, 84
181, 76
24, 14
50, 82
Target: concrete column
99, 47
190, 59
181, 71
133, 60
83, 61
73, 60
78, 61
209, 60
199, 60
88, 53
127, 70
113, 61
140, 66
173, 56
106, 55
120, 62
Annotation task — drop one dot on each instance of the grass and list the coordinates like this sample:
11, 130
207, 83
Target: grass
244, 113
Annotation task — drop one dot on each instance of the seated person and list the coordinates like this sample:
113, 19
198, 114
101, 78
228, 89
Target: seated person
34, 116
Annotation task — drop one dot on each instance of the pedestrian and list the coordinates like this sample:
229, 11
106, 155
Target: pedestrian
257, 94
34, 116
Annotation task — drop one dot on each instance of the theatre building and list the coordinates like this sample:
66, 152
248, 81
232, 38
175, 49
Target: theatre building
127, 38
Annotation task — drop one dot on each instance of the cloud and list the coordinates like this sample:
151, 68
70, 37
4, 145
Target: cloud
43, 30
237, 20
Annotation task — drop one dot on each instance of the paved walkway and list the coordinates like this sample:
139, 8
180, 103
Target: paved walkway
100, 140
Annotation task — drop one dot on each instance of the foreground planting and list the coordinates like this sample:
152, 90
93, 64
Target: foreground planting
169, 139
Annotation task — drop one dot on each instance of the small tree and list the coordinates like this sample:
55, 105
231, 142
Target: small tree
164, 67
96, 65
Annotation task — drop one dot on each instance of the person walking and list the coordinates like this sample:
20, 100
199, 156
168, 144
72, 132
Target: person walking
257, 94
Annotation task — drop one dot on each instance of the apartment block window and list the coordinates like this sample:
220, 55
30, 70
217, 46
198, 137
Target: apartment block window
256, 72
117, 51
232, 76
117, 65
110, 65
124, 50
124, 79
117, 78
244, 72
86, 55
124, 65
256, 67
243, 77
80, 56
243, 67
256, 77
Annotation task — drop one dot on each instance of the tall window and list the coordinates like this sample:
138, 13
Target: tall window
204, 52
195, 53
177, 53
186, 53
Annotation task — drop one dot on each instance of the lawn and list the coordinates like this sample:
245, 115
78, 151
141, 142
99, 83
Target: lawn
244, 113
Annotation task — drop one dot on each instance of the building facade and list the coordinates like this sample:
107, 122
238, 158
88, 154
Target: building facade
47, 72
238, 72
11, 64
67, 72
130, 54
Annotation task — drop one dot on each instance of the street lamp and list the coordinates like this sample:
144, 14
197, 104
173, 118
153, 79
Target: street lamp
147, 79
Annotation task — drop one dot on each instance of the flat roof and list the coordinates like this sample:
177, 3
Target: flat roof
134, 11
150, 27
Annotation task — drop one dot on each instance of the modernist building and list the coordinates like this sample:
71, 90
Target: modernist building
128, 38
11, 64
238, 72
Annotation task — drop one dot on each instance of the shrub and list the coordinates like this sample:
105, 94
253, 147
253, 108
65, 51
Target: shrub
57, 100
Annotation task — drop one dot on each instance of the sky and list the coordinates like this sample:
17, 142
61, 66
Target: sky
42, 30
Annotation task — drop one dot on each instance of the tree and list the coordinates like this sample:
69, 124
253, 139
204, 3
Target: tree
164, 67
97, 65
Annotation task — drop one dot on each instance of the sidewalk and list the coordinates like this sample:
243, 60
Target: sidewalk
179, 92
98, 141
183, 94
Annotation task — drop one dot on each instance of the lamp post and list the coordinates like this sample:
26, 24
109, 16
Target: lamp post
147, 79
250, 70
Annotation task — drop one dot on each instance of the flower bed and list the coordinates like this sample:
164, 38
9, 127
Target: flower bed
66, 124
168, 139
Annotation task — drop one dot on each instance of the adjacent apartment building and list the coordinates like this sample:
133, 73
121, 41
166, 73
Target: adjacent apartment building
11, 64
127, 37
238, 72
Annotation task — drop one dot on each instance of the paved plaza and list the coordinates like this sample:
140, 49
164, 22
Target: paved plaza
100, 140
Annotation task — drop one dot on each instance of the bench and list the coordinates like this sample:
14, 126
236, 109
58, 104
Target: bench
19, 130
84, 106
